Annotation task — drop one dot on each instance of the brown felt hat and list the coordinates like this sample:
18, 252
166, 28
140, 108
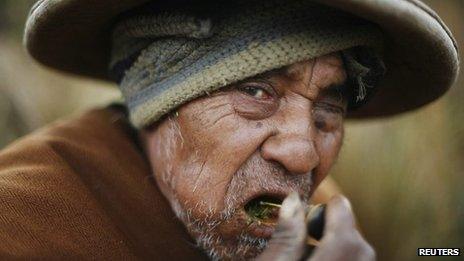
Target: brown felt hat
421, 54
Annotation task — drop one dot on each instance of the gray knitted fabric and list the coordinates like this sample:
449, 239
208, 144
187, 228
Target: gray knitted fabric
180, 56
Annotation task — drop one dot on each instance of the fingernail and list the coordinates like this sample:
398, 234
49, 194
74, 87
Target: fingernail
290, 206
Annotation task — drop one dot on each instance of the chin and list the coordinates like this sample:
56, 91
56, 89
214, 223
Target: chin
242, 247
225, 235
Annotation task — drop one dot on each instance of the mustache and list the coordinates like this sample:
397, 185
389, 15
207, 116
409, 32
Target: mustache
256, 175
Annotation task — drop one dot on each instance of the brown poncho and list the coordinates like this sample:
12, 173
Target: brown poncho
82, 189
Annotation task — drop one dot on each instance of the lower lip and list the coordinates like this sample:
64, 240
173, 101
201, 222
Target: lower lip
262, 230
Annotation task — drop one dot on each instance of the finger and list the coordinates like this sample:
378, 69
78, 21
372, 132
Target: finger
288, 240
339, 215
346, 247
341, 240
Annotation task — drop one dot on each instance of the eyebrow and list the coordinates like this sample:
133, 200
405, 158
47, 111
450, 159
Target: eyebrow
340, 90
337, 88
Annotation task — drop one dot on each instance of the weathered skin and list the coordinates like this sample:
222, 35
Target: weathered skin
273, 134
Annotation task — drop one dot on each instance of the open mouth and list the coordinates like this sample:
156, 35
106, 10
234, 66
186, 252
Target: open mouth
264, 209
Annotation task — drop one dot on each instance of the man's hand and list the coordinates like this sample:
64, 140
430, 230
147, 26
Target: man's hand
341, 240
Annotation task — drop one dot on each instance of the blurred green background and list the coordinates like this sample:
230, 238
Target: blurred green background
404, 175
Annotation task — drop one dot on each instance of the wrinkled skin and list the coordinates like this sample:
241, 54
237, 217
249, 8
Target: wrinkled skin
272, 134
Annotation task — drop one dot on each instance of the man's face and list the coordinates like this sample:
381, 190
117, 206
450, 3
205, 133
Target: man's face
256, 140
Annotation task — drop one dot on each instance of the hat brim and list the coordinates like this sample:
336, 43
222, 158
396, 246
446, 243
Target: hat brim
421, 54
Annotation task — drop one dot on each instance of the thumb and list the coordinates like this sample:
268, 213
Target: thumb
288, 240
339, 216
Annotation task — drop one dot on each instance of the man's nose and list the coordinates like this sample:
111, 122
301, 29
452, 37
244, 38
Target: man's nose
296, 153
293, 143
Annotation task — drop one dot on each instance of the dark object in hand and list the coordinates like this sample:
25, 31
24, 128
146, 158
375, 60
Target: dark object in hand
316, 221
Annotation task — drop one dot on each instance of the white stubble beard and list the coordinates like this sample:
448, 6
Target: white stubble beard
204, 229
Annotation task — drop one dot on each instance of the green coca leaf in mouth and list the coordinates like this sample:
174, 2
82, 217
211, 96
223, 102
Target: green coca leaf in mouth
263, 209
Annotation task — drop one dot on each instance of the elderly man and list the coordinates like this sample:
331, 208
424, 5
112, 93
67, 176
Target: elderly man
236, 115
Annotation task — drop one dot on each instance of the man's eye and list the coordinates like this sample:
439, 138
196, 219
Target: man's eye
327, 118
256, 92
328, 122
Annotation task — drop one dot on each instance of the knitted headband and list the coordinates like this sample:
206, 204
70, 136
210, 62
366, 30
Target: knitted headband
164, 59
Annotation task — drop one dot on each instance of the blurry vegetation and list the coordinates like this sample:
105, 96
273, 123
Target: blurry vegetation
404, 175
30, 95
